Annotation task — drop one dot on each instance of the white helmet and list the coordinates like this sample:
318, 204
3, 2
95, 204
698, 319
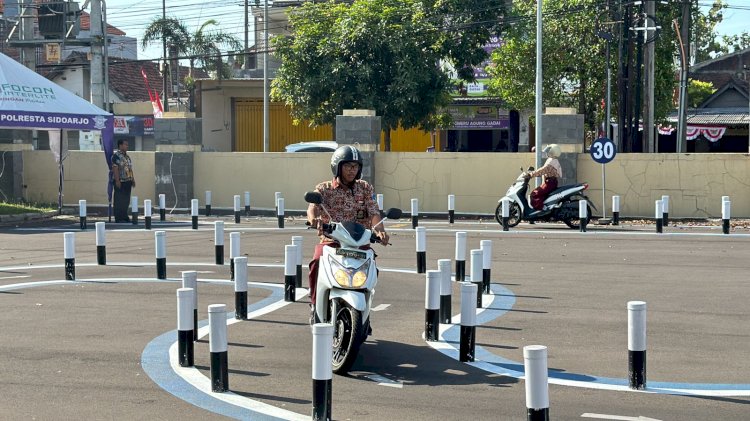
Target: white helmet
552, 151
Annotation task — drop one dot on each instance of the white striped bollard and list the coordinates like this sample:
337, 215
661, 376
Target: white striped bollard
414, 213
476, 273
276, 197
190, 280
82, 214
290, 272
379, 199
147, 213
637, 344
101, 243
505, 213
185, 345
280, 212
247, 203
460, 256
468, 322
421, 250
726, 214
236, 208
162, 207
615, 210
446, 290
208, 202
322, 371
659, 215
219, 242
665, 210
160, 246
217, 344
134, 210
234, 251
240, 288
432, 306
194, 213
297, 240
582, 214
69, 252
451, 208
537, 383
486, 247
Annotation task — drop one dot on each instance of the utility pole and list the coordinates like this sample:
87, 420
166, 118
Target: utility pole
685, 41
266, 104
638, 87
26, 16
623, 79
649, 136
246, 65
97, 69
165, 71
539, 90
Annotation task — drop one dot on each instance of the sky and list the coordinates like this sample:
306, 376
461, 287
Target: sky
134, 18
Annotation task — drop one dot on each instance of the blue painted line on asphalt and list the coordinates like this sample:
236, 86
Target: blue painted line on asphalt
155, 362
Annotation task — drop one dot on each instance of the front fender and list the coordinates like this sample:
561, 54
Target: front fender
355, 299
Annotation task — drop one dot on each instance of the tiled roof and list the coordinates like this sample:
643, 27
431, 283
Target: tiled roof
86, 25
715, 116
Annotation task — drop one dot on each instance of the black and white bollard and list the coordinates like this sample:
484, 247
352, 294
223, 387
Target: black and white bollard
322, 371
468, 322
217, 344
414, 213
82, 214
460, 256
637, 344
451, 208
160, 238
276, 197
101, 243
236, 208
194, 213
219, 242
486, 247
505, 213
726, 214
421, 250
615, 210
659, 215
290, 273
208, 202
69, 252
185, 345
582, 214
537, 385
446, 290
190, 280
162, 207
432, 306
297, 240
147, 213
240, 288
134, 210
665, 209
379, 199
247, 203
280, 212
476, 273
234, 251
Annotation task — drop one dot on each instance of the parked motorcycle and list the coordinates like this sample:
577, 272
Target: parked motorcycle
560, 205
347, 277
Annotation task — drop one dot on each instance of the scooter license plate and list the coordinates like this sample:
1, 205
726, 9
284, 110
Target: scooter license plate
356, 254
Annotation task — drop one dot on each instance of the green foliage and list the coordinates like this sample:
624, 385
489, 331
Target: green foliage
13, 208
699, 91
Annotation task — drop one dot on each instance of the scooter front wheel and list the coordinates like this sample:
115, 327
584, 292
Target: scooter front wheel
348, 335
514, 214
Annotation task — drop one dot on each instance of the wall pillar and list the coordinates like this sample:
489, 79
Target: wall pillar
361, 128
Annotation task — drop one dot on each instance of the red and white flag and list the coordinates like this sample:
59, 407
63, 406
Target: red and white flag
153, 96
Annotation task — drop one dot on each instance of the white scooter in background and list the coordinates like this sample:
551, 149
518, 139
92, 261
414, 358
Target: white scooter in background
347, 277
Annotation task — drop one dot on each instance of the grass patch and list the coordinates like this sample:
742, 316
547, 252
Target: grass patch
18, 208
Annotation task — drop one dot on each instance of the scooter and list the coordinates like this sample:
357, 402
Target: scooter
560, 205
347, 277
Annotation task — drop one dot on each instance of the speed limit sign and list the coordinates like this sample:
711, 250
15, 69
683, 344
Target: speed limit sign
603, 150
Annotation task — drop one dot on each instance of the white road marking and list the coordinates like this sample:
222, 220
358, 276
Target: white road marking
15, 277
384, 381
380, 307
617, 417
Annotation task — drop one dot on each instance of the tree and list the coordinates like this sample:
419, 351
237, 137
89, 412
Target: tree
382, 55
699, 91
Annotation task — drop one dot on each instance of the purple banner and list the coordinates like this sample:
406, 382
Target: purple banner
32, 119
502, 123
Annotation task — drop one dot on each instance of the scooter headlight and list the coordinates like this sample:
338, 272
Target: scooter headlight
349, 277
360, 277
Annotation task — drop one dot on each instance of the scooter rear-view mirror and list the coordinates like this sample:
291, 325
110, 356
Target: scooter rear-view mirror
393, 213
313, 197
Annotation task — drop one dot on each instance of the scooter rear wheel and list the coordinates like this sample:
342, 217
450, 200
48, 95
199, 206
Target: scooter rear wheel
349, 333
514, 214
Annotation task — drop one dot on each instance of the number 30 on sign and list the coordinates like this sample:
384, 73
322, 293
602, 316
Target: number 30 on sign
603, 150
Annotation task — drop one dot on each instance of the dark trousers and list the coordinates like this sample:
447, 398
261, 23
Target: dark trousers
122, 201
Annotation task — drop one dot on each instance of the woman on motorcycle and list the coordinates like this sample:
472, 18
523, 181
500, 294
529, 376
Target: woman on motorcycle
550, 173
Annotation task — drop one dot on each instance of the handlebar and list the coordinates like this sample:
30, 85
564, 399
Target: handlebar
327, 229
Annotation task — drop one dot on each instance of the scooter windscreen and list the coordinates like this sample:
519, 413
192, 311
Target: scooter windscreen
355, 230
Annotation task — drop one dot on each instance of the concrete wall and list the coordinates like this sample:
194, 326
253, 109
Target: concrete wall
85, 177
216, 110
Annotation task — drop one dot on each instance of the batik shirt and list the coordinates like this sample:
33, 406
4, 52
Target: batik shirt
345, 204
124, 165
551, 168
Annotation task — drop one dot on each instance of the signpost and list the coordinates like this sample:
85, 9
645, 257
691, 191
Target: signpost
603, 151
